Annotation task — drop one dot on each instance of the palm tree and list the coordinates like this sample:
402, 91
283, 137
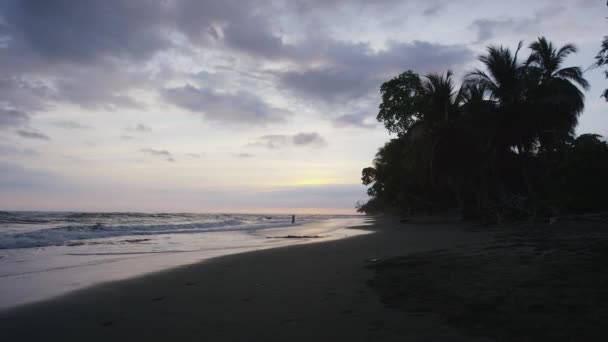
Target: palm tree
557, 96
506, 82
502, 79
441, 98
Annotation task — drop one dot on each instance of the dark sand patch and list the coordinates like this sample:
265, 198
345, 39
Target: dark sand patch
530, 283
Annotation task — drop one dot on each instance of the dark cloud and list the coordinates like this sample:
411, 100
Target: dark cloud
277, 141
328, 83
29, 134
85, 30
159, 153
360, 120
254, 36
81, 53
70, 125
355, 70
12, 118
308, 139
241, 107
20, 92
488, 29
92, 53
434, 8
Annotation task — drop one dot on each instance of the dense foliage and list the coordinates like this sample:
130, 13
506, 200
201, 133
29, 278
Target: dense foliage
601, 60
501, 145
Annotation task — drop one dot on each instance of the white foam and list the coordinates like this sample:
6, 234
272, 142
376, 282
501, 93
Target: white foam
74, 234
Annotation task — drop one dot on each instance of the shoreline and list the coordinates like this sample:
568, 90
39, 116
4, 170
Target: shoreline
76, 267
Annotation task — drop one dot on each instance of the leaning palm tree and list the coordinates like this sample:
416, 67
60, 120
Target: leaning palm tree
558, 95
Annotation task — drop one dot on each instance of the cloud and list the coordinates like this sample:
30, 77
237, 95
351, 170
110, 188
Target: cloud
243, 155
488, 29
81, 53
18, 91
435, 8
308, 139
272, 141
159, 153
95, 54
355, 70
32, 134
141, 128
360, 120
70, 125
328, 83
240, 107
87, 30
12, 118
277, 141
10, 150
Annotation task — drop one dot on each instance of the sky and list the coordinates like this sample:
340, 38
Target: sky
235, 106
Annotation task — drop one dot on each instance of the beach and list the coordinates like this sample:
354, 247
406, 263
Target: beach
45, 255
304, 292
429, 281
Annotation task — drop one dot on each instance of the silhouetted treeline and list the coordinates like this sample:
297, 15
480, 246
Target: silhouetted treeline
500, 146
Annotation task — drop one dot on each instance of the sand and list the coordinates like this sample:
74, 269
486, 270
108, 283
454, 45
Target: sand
406, 282
531, 282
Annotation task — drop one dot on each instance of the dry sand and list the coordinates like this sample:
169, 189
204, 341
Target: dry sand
532, 282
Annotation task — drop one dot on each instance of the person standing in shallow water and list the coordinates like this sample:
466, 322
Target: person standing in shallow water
293, 219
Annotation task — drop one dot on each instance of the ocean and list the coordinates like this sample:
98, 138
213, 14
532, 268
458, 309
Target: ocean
47, 254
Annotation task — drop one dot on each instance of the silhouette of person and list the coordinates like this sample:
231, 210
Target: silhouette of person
293, 218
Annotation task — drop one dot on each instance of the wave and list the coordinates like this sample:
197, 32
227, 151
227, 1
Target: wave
73, 235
